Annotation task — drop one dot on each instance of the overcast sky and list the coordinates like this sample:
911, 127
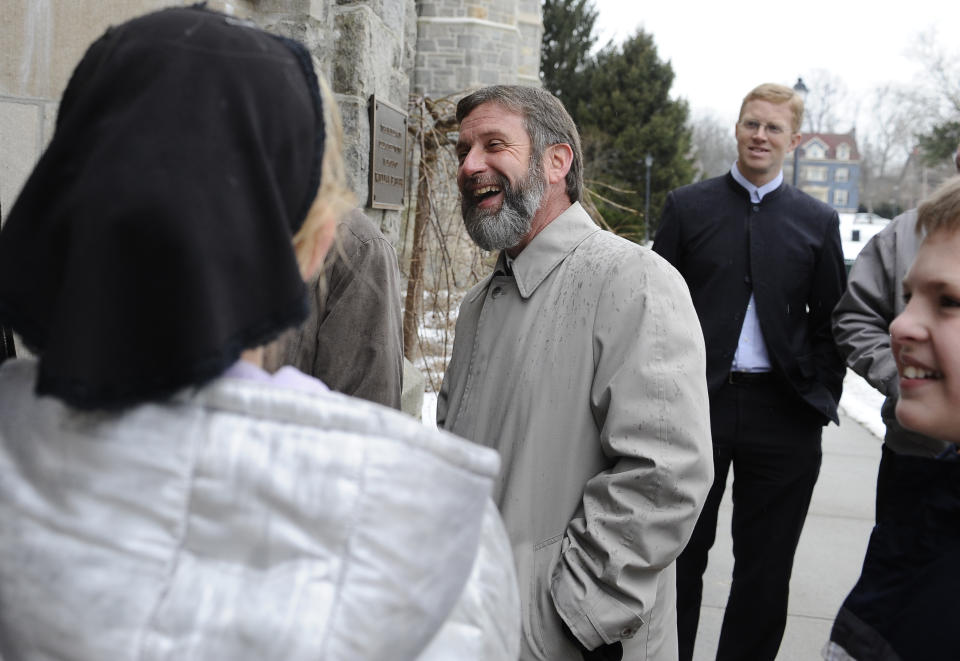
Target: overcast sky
720, 50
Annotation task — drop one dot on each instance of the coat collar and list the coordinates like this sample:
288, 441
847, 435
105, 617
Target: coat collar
548, 249
738, 188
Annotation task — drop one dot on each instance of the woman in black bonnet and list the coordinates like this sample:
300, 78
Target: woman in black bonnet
161, 495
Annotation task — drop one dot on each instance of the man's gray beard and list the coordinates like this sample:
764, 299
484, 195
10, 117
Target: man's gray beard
505, 227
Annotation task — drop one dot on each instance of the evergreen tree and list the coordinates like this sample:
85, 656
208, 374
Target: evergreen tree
940, 143
565, 49
625, 112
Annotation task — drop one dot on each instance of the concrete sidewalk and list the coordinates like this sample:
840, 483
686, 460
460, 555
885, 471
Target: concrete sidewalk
831, 547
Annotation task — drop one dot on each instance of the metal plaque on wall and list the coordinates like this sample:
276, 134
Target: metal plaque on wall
388, 155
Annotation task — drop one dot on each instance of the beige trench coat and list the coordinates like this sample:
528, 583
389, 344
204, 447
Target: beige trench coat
586, 371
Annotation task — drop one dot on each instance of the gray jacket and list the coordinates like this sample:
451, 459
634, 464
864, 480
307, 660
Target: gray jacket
353, 338
861, 323
585, 369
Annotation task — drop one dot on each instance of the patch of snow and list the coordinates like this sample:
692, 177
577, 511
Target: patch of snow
428, 412
862, 402
434, 334
856, 229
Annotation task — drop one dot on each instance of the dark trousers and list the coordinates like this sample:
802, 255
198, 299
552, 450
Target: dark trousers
772, 439
905, 604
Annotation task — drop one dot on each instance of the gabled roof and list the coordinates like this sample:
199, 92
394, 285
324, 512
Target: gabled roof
832, 141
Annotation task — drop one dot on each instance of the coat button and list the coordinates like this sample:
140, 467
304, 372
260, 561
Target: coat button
497, 291
755, 207
628, 632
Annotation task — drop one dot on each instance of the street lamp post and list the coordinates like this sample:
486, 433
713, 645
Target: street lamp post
648, 161
802, 90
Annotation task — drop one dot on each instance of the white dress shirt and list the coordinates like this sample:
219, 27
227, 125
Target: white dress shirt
751, 354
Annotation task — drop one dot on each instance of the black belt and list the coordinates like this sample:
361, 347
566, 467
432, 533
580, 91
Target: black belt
749, 378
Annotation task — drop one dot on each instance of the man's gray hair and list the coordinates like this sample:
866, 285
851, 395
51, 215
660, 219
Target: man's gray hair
546, 120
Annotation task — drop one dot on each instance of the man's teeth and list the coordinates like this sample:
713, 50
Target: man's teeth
483, 190
911, 372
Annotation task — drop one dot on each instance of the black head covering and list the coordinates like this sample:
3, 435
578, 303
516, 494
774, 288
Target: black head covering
152, 242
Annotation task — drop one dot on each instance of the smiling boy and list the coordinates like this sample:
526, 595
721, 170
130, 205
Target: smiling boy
926, 336
903, 605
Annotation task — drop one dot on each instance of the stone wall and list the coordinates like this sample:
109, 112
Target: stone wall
463, 44
362, 47
42, 42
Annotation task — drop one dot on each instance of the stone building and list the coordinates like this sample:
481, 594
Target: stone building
463, 44
386, 48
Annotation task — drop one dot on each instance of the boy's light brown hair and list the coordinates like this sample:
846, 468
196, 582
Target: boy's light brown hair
940, 211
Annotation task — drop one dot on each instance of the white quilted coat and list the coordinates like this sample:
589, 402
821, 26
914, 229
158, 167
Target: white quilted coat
242, 521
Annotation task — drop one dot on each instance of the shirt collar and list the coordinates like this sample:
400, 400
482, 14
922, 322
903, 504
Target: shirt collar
548, 248
756, 193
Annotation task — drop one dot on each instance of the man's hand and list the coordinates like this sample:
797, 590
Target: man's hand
611, 652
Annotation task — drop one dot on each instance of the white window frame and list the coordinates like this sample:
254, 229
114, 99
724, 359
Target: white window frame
816, 173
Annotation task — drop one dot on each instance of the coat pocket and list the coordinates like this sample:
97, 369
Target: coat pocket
544, 628
806, 366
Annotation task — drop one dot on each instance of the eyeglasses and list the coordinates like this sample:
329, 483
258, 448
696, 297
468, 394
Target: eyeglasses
753, 126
